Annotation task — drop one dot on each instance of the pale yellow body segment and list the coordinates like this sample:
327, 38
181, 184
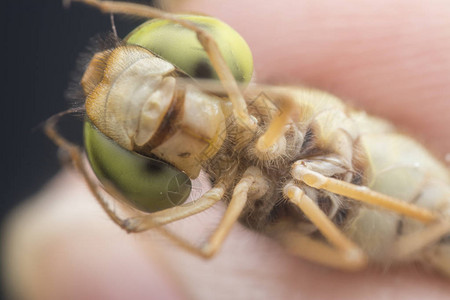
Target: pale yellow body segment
402, 168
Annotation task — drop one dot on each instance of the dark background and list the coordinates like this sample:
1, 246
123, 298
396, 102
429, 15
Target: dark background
42, 41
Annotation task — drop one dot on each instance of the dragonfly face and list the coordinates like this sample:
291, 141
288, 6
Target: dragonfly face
134, 101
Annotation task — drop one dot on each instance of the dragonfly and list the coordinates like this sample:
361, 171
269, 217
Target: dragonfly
331, 184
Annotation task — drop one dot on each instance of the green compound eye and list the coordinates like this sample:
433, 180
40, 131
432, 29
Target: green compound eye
145, 183
180, 46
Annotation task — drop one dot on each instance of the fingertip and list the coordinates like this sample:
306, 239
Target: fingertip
60, 245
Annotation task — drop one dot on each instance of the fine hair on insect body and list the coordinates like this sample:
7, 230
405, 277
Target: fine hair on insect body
329, 183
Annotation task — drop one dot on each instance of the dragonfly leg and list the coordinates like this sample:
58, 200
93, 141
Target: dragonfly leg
341, 252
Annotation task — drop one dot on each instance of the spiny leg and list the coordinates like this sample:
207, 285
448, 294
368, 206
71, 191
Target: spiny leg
301, 172
316, 251
169, 215
411, 243
277, 126
343, 254
76, 156
271, 142
232, 213
206, 40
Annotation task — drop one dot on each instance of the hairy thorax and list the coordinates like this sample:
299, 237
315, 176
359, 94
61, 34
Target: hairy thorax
334, 151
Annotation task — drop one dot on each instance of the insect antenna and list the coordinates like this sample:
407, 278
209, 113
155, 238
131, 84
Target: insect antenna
113, 25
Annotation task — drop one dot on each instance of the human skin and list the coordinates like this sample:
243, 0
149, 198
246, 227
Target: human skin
391, 58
